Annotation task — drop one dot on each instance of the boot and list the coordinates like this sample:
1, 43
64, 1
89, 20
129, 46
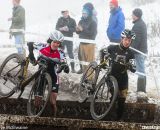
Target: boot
72, 67
141, 84
120, 108
81, 70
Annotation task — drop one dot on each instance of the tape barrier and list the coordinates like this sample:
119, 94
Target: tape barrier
78, 40
68, 38
38, 34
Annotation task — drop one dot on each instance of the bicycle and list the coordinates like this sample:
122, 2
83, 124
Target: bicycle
104, 93
13, 78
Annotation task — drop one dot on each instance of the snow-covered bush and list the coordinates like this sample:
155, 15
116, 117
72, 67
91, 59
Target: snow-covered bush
142, 2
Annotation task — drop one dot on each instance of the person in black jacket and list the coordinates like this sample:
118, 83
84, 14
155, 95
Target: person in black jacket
86, 29
140, 43
123, 59
67, 26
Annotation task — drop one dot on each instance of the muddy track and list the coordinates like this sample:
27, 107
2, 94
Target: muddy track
75, 116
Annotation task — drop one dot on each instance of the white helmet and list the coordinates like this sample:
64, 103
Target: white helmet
56, 36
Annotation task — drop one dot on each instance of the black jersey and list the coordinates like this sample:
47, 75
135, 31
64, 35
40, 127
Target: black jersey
118, 55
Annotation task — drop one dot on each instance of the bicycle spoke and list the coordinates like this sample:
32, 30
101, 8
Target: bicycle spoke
13, 68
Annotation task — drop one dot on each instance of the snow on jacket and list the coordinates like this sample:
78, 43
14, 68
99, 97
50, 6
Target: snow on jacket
116, 25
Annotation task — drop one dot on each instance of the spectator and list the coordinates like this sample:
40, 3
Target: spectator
94, 12
140, 44
67, 26
86, 29
18, 26
116, 22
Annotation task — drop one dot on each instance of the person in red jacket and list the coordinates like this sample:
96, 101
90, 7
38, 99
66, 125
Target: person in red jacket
52, 51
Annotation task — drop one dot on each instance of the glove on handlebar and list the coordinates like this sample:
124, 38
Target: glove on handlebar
63, 67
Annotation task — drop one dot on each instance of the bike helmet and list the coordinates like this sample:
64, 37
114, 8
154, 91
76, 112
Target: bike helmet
128, 34
55, 36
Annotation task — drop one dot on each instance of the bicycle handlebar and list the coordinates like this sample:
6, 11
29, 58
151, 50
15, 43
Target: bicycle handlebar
53, 60
108, 57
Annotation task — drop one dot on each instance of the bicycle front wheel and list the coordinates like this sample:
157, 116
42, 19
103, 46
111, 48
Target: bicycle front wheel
104, 97
10, 71
41, 89
88, 79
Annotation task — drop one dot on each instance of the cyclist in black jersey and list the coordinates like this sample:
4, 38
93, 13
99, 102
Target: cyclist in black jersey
123, 60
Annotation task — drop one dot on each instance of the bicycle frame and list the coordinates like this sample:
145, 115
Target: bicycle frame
107, 67
25, 82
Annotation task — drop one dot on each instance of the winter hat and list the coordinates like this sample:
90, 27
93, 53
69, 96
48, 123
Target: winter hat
137, 12
114, 2
63, 11
89, 7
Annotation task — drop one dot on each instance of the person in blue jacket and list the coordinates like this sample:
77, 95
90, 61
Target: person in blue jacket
116, 22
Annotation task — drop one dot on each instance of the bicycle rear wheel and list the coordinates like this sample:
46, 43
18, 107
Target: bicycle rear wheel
45, 88
10, 71
88, 79
104, 97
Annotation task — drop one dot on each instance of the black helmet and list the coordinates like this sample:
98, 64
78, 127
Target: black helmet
128, 34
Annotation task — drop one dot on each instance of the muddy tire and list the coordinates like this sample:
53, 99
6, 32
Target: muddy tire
46, 88
9, 72
104, 97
